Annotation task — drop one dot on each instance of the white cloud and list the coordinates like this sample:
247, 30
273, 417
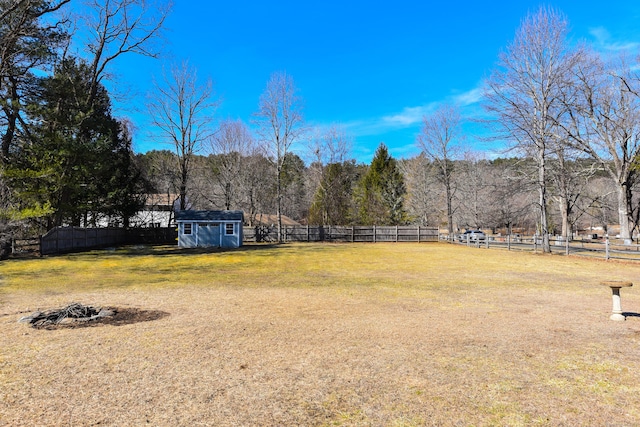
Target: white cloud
408, 116
470, 97
411, 117
603, 40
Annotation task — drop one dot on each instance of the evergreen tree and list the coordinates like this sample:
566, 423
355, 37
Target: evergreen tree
381, 191
78, 158
332, 200
293, 187
29, 39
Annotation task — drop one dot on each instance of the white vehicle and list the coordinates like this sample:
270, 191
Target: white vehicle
472, 236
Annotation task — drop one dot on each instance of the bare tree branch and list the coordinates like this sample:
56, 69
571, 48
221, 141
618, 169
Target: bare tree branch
439, 141
525, 92
119, 27
182, 111
280, 124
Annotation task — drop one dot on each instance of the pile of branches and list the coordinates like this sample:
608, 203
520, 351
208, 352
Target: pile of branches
74, 311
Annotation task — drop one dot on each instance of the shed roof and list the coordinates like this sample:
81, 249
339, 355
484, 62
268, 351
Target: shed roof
209, 216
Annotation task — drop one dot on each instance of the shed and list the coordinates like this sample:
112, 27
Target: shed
209, 228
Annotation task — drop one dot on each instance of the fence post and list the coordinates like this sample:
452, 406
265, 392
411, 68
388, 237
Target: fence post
606, 248
396, 234
566, 243
509, 241
353, 233
486, 241
374, 234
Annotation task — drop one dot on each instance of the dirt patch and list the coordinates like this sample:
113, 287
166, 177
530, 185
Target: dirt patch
117, 316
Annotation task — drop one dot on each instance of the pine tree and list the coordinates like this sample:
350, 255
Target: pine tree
380, 194
78, 158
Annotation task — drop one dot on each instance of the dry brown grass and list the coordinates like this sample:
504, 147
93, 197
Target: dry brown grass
329, 335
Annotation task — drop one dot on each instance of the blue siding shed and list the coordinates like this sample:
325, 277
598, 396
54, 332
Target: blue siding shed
209, 228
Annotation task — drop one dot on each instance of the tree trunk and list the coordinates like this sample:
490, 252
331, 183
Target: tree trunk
184, 176
279, 204
623, 214
11, 123
449, 209
564, 213
183, 197
542, 189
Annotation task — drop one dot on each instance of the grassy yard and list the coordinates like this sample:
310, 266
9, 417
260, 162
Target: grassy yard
322, 334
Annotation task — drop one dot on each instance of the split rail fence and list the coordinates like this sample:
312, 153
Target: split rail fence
595, 248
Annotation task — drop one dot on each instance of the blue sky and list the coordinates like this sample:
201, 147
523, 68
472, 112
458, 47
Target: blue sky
373, 67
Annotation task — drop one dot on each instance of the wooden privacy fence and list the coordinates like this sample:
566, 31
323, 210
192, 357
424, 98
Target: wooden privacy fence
71, 239
352, 234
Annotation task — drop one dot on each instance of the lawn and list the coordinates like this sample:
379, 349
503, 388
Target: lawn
322, 334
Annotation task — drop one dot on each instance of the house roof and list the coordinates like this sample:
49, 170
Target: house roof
269, 219
156, 199
209, 216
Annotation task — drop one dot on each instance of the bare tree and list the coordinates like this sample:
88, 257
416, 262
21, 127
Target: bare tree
331, 145
524, 93
232, 144
475, 201
119, 27
439, 141
182, 111
424, 201
510, 194
257, 180
280, 124
326, 147
600, 203
570, 177
605, 124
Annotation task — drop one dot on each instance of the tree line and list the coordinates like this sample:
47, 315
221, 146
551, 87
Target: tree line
498, 194
569, 115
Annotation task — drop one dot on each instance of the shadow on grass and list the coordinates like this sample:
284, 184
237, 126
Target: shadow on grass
265, 249
628, 314
256, 249
171, 250
122, 316
146, 250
